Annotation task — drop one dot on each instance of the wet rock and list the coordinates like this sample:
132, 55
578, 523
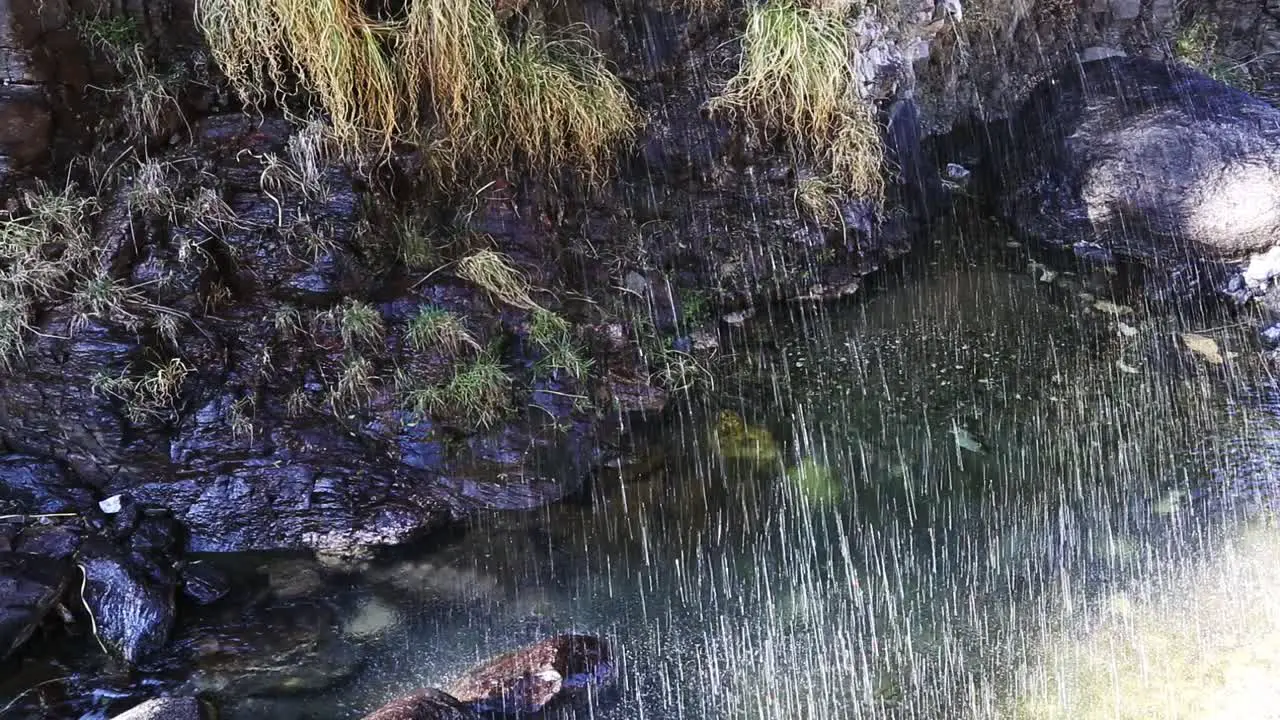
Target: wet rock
131, 600
426, 704
30, 585
204, 583
558, 672
1147, 160
33, 486
183, 708
58, 542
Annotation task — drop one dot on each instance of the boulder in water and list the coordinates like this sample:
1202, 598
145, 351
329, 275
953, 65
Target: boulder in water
29, 586
132, 607
1146, 160
429, 704
557, 672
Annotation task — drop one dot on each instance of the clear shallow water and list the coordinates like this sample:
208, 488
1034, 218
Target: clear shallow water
974, 495
957, 499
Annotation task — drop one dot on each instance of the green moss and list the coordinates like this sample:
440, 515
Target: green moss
736, 440
695, 308
1197, 44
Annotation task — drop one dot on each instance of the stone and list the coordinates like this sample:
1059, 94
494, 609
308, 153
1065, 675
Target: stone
558, 672
1144, 160
132, 606
428, 704
175, 708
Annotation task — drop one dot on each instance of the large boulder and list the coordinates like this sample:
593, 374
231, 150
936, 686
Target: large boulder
130, 584
1142, 159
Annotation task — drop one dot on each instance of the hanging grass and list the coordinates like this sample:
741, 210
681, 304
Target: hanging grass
796, 76
547, 100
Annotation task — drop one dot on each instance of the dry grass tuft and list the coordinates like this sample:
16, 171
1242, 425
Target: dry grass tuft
547, 100
797, 77
498, 276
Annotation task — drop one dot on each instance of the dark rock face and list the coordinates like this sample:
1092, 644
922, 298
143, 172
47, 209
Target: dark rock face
423, 705
557, 672
1147, 160
32, 486
29, 586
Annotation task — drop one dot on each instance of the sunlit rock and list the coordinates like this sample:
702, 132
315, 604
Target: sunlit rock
1148, 160
177, 708
561, 671
426, 704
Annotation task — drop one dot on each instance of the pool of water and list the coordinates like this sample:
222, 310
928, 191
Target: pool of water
981, 492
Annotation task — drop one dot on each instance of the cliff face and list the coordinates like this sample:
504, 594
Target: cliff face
221, 316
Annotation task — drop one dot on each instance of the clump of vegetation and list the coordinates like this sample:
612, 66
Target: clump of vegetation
796, 77
498, 276
152, 190
479, 392
359, 323
547, 99
150, 395
148, 93
437, 328
818, 195
1197, 44
552, 335
695, 308
414, 242
42, 253
355, 384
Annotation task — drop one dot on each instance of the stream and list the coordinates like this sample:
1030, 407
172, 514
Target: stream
977, 492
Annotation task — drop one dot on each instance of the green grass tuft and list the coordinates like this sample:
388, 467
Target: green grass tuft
479, 393
355, 385
796, 76
552, 334
360, 323
435, 328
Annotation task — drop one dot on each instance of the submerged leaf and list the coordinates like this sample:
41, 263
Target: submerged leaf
1205, 347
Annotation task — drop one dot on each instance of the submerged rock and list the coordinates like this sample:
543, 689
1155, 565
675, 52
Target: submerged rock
561, 671
429, 704
30, 585
1147, 160
177, 708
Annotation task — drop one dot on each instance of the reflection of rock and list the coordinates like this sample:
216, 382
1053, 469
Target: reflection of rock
422, 705
183, 708
557, 672
29, 587
258, 651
